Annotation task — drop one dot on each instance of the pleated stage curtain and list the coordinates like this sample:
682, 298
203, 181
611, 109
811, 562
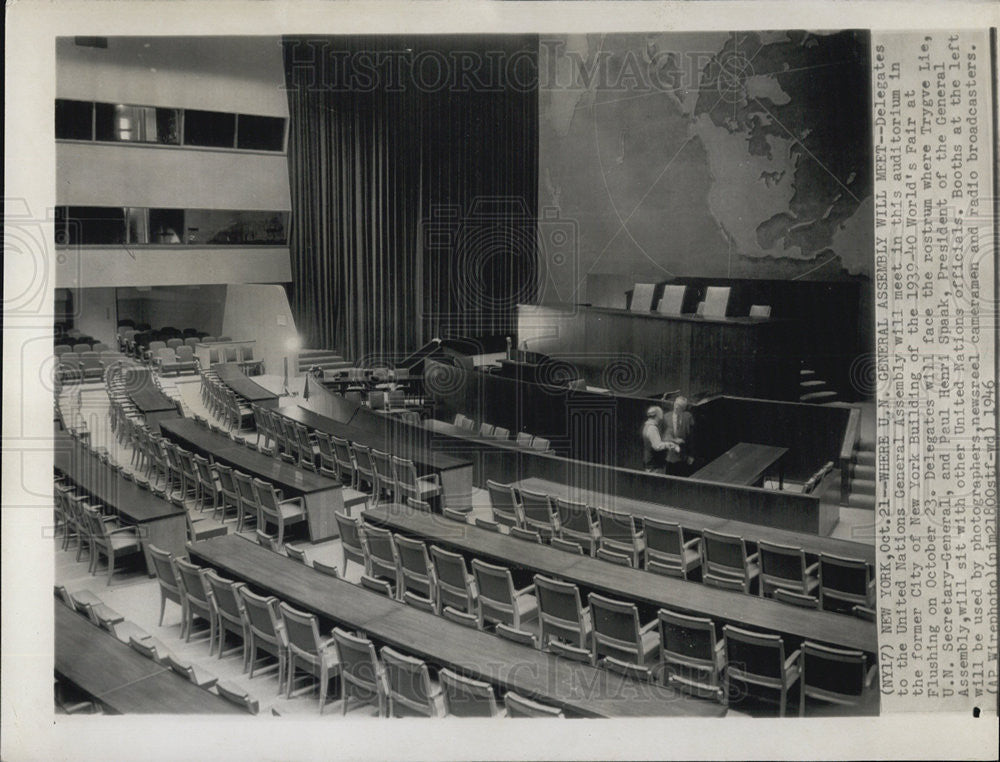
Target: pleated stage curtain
413, 175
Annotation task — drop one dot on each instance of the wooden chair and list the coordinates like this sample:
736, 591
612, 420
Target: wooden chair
230, 615
844, 583
279, 512
455, 586
350, 540
499, 600
236, 695
539, 513
667, 552
576, 524
726, 563
505, 504
411, 486
111, 540
784, 567
759, 659
519, 706
361, 673
415, 567
618, 632
328, 569
267, 632
249, 502
381, 556
198, 596
619, 534
308, 652
836, 675
465, 697
411, 692
561, 614
169, 583
692, 659
385, 476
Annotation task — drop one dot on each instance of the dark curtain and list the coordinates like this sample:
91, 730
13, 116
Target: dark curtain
413, 174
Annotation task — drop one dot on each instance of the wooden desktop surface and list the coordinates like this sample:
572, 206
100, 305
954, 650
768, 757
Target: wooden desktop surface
633, 584
144, 393
744, 463
233, 376
695, 522
124, 680
577, 688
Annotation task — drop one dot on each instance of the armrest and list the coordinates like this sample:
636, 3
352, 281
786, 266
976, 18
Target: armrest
291, 500
130, 529
753, 558
791, 660
524, 591
692, 543
649, 627
812, 568
104, 613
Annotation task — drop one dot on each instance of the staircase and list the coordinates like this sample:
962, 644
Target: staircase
860, 481
321, 358
814, 389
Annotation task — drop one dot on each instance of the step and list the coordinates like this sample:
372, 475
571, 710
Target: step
864, 457
307, 353
864, 471
807, 372
812, 384
825, 396
854, 499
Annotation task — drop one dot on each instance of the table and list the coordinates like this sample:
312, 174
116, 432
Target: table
122, 679
578, 689
160, 522
455, 473
693, 521
745, 464
233, 376
634, 585
321, 495
154, 405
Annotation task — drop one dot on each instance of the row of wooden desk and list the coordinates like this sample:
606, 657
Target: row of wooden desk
631, 584
232, 375
578, 689
321, 495
693, 521
456, 473
160, 523
154, 405
121, 679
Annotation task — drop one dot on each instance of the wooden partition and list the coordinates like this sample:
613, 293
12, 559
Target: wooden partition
655, 353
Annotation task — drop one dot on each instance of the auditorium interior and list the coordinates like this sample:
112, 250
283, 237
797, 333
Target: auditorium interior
357, 344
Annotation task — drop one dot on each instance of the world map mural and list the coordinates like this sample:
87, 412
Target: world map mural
741, 154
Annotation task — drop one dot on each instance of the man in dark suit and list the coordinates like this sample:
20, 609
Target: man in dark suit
678, 428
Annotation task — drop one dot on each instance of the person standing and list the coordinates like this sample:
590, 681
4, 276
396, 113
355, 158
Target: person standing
678, 429
654, 447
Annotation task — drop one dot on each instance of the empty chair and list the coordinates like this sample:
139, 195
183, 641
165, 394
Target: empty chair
618, 632
666, 550
248, 502
797, 599
613, 557
691, 656
308, 652
338, 450
296, 553
462, 421
540, 443
350, 540
192, 341
248, 363
726, 563
169, 583
523, 439
716, 301
760, 310
81, 347
267, 632
361, 673
450, 513
385, 476
672, 301
499, 600
174, 343
561, 614
414, 567
519, 706
619, 534
62, 349
230, 614
486, 429
531, 535
380, 553
844, 583
566, 545
505, 504
236, 695
410, 689
499, 432
522, 637
576, 524
539, 513
784, 567
191, 671
151, 648
759, 659
328, 569
419, 602
229, 494
465, 697
409, 485
275, 511
198, 597
111, 540
377, 585
490, 526
836, 675
455, 586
